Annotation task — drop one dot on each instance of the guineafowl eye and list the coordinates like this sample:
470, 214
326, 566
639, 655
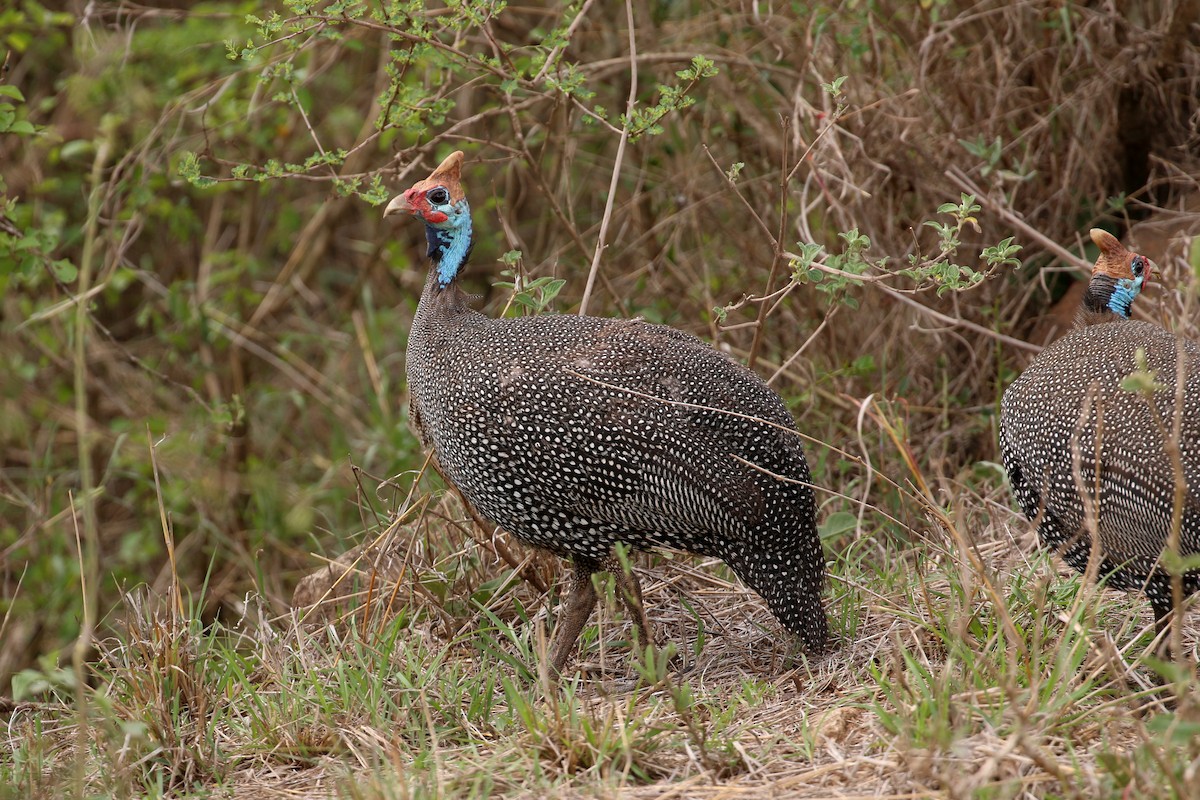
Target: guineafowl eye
1138, 267
438, 196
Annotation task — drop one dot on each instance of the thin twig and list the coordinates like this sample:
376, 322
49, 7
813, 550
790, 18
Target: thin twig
552, 59
616, 173
87, 544
1066, 256
955, 322
738, 194
789, 430
777, 255
812, 338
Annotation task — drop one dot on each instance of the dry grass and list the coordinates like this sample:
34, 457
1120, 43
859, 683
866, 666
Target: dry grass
925, 695
255, 330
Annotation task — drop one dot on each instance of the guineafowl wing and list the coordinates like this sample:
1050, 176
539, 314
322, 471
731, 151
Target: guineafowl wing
636, 429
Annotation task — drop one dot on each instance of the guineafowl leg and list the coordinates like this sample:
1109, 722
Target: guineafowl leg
575, 612
629, 589
1161, 603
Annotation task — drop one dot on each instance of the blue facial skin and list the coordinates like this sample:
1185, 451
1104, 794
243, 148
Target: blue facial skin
449, 239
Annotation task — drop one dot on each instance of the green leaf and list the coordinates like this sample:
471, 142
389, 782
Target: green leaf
837, 523
64, 270
1178, 730
76, 149
1141, 381
31, 682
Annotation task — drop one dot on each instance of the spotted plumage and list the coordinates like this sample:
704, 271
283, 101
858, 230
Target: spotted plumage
1088, 459
575, 433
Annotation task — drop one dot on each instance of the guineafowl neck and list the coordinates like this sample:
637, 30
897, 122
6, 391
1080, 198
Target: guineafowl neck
443, 314
449, 249
443, 308
440, 303
1106, 300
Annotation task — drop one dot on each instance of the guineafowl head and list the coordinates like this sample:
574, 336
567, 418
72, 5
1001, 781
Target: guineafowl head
1117, 278
439, 201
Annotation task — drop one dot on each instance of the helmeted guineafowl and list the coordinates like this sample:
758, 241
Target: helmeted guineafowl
575, 433
1088, 459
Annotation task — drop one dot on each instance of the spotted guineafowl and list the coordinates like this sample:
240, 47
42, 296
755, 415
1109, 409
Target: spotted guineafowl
575, 433
1089, 460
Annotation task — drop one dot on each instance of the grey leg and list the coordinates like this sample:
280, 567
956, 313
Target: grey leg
575, 612
1163, 609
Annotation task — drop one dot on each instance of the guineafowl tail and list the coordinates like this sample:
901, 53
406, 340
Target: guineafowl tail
791, 583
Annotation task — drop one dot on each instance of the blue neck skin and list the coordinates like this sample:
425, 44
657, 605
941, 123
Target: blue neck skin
450, 244
1107, 295
1121, 300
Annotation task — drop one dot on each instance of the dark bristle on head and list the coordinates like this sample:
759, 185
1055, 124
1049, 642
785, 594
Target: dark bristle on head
577, 433
1087, 457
